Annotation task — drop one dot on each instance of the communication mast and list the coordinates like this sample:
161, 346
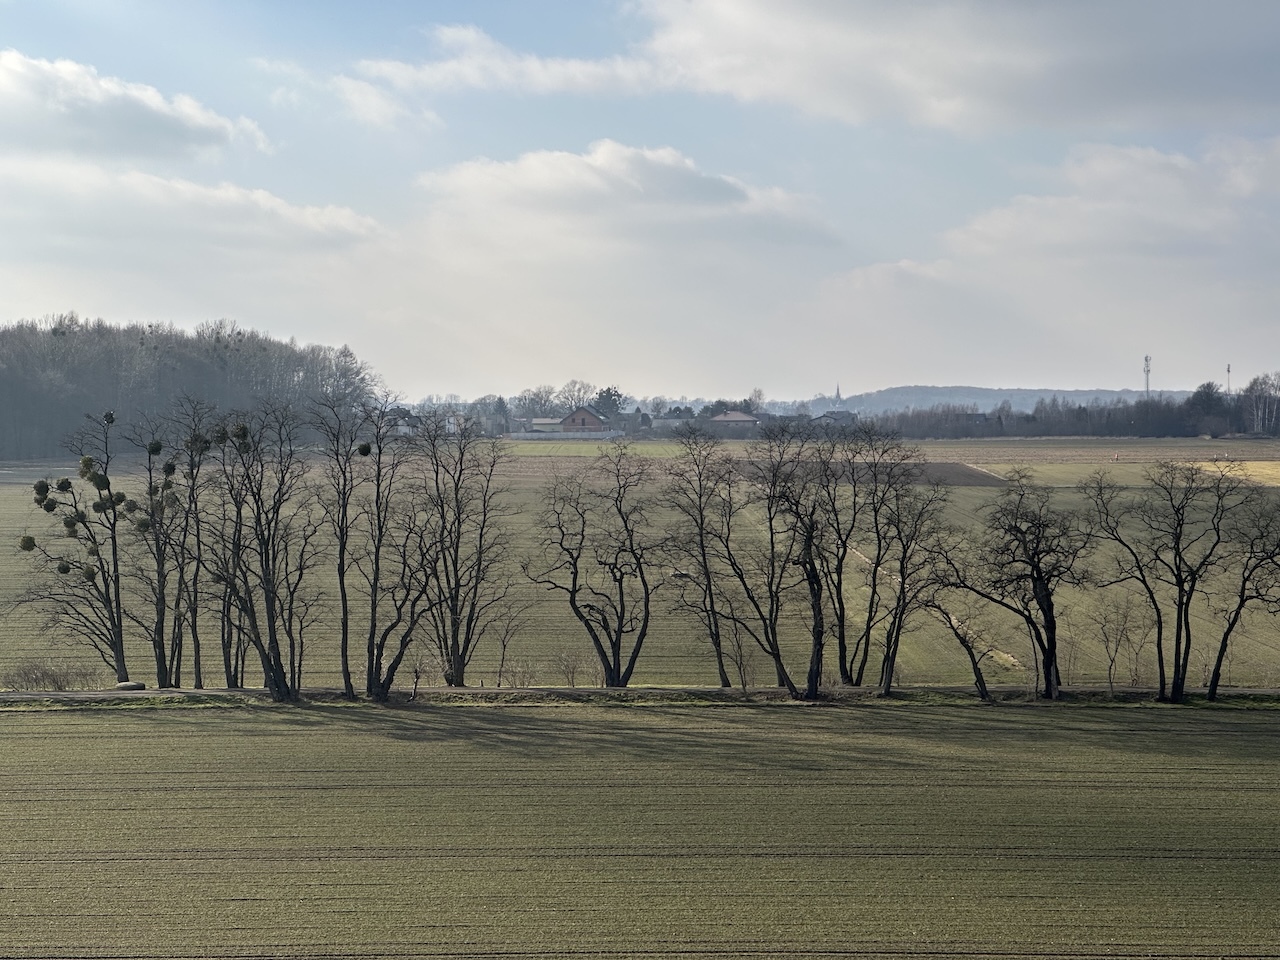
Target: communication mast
1146, 372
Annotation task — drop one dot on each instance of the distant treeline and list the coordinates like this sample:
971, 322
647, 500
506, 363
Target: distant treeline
1208, 411
54, 370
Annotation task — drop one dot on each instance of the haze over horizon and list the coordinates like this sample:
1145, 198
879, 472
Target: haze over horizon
670, 196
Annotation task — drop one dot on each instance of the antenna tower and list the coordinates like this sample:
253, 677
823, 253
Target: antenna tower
1146, 372
1228, 379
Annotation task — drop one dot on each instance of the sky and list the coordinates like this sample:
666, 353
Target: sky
677, 197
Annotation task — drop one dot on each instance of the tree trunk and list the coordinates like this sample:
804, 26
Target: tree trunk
1216, 677
818, 632
716, 645
197, 668
1181, 656
860, 676
344, 635
979, 680
813, 685
842, 651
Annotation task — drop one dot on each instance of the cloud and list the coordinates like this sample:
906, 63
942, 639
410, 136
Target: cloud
635, 265
130, 245
67, 106
470, 59
367, 103
360, 100
964, 66
619, 263
1141, 252
66, 203
940, 63
628, 189
605, 264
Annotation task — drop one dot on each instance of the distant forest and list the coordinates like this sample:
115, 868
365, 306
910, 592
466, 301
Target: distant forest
55, 370
1208, 411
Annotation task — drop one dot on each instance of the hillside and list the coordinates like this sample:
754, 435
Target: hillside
987, 398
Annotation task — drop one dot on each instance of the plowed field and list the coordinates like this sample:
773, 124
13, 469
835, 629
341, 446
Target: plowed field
875, 830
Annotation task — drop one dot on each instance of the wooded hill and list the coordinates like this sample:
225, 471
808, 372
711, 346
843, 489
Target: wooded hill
56, 369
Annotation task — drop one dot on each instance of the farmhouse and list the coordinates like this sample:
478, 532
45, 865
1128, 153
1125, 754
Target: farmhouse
406, 422
836, 418
733, 423
585, 420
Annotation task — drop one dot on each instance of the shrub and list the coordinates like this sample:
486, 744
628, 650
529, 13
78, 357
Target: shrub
48, 675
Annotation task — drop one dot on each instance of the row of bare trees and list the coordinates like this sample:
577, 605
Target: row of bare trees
238, 519
834, 542
825, 516
845, 527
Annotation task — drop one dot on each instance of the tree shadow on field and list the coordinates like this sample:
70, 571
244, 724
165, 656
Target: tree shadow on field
780, 737
1150, 730
536, 732
799, 738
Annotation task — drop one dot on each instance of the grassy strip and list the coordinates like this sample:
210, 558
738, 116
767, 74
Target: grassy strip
675, 652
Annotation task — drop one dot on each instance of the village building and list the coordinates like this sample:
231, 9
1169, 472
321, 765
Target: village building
836, 418
734, 424
585, 419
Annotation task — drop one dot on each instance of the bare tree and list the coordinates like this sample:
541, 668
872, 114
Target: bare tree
601, 551
264, 544
338, 419
916, 567
861, 473
757, 541
535, 401
962, 615
697, 482
81, 589
739, 649
155, 519
1260, 401
395, 547
1252, 577
467, 514
1171, 539
568, 664
802, 493
574, 394
1027, 550
1120, 622
189, 425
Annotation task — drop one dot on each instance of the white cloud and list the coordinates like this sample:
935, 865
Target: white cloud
630, 189
960, 66
617, 264
1142, 252
633, 265
133, 246
77, 202
68, 106
471, 59
360, 100
367, 103
939, 63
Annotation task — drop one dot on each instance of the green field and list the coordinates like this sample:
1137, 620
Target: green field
879, 829
674, 656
